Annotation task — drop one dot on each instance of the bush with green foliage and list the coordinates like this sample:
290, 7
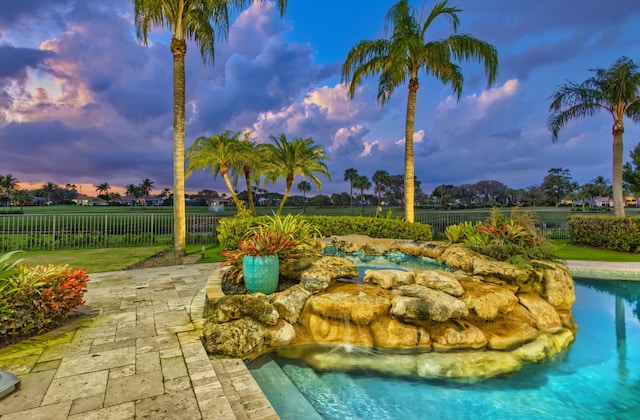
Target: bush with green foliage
284, 236
606, 232
513, 238
232, 230
34, 298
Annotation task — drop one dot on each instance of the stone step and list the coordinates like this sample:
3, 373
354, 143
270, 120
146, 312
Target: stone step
284, 396
319, 394
349, 390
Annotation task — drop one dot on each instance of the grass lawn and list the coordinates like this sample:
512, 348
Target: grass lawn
107, 259
566, 251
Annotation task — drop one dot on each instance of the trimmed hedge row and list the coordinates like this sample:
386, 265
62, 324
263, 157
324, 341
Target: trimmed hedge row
606, 232
232, 230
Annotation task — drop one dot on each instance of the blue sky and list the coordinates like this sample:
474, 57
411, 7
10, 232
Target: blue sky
83, 102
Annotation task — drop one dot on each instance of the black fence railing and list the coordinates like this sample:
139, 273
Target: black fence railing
81, 231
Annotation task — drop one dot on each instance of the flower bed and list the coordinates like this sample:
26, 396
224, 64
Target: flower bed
33, 299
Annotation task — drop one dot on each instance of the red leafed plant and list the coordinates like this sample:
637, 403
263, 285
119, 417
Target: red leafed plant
34, 298
260, 241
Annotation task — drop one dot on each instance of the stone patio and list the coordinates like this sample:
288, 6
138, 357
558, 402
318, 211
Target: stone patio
135, 354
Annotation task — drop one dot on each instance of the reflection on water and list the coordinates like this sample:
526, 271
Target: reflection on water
597, 377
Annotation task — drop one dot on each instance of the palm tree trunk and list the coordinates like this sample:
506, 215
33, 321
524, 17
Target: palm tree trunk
409, 164
618, 199
227, 181
179, 50
286, 195
351, 194
252, 205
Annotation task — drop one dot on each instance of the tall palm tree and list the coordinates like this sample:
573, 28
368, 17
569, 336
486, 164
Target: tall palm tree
284, 159
349, 175
615, 90
219, 154
103, 189
362, 183
401, 57
381, 179
194, 20
304, 187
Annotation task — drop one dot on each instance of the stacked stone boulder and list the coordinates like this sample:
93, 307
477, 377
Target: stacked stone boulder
483, 318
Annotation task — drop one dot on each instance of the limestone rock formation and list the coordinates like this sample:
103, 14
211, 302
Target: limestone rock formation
290, 302
348, 302
256, 306
433, 304
483, 319
237, 338
443, 281
487, 300
388, 279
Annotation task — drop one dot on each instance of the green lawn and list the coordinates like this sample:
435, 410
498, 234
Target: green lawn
566, 251
107, 259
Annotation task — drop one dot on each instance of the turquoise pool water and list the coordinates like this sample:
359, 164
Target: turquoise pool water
598, 377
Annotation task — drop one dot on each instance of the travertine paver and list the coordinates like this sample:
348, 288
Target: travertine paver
134, 387
126, 411
36, 383
76, 386
58, 411
173, 405
136, 354
96, 362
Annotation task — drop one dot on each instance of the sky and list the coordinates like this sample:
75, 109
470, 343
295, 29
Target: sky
83, 101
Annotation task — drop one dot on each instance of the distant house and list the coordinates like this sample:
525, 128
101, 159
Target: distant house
85, 200
141, 201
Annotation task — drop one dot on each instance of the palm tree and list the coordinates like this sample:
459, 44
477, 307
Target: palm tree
304, 187
103, 189
349, 175
362, 183
49, 188
9, 184
249, 160
284, 159
403, 55
380, 178
22, 197
615, 90
218, 153
134, 191
199, 21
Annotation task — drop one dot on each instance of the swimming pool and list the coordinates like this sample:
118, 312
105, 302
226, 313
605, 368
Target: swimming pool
597, 377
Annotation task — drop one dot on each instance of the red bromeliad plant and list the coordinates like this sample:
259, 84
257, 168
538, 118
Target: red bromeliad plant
260, 241
513, 238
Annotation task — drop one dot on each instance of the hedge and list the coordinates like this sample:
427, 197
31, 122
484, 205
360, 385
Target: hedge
232, 230
606, 232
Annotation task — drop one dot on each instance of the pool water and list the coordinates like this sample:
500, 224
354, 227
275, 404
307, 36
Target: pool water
598, 377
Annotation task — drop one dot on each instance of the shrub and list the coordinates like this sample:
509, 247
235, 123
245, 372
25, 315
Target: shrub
35, 298
232, 230
606, 232
513, 238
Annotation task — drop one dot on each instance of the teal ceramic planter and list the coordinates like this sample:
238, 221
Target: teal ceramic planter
261, 273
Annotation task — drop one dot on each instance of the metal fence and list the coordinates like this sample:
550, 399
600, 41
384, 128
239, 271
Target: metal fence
112, 230
80, 231
553, 223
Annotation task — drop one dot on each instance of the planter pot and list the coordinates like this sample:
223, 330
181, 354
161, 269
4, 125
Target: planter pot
261, 273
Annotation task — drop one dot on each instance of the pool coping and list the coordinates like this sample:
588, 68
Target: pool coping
605, 270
